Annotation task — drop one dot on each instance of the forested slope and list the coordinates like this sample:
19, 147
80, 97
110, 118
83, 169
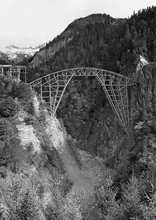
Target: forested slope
100, 41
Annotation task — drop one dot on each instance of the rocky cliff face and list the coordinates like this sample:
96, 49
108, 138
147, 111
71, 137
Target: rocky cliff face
43, 176
145, 109
146, 91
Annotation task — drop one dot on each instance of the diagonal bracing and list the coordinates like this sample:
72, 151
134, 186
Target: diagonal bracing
52, 87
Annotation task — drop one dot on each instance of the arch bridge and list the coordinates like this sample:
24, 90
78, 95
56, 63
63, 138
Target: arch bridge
51, 88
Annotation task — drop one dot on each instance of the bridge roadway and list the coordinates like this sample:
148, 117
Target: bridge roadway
51, 88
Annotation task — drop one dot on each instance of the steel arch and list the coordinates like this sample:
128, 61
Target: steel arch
52, 87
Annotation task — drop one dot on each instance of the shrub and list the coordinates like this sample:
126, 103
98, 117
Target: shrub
131, 200
8, 108
5, 128
106, 203
6, 85
149, 212
21, 91
13, 155
22, 199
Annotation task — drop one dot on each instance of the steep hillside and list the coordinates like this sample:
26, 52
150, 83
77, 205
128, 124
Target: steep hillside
99, 41
67, 37
43, 175
96, 41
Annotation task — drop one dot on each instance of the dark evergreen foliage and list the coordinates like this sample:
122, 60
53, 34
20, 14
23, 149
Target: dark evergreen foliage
8, 108
103, 42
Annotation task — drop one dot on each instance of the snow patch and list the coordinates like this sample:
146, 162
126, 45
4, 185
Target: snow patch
27, 137
143, 61
13, 51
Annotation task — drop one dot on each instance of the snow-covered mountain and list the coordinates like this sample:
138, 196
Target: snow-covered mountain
13, 52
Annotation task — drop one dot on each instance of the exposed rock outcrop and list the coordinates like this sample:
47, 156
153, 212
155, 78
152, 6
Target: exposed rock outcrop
51, 176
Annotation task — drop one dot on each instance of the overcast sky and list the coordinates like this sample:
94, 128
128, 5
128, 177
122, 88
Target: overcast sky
33, 22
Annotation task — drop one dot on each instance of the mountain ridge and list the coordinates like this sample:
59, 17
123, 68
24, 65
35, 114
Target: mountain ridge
10, 49
12, 53
18, 47
62, 40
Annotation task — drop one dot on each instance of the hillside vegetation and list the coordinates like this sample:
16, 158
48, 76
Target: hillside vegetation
44, 176
100, 41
